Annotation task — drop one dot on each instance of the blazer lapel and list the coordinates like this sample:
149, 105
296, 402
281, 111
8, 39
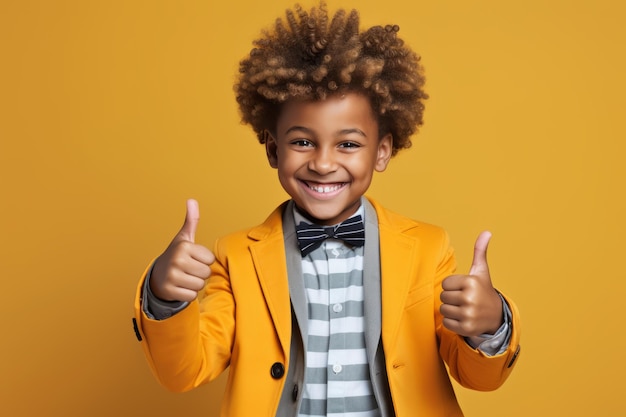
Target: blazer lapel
268, 256
398, 260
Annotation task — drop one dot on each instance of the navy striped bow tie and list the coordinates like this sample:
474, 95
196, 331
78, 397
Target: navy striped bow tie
311, 236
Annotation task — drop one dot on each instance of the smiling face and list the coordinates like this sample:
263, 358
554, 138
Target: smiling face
326, 153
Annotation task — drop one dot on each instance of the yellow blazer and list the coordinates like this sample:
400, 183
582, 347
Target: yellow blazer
244, 320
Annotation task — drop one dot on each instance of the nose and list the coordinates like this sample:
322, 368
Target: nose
323, 161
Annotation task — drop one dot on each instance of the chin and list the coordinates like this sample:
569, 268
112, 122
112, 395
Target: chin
326, 216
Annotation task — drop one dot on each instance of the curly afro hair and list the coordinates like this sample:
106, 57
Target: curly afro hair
311, 56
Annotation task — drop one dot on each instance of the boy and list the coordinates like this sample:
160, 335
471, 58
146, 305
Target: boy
334, 305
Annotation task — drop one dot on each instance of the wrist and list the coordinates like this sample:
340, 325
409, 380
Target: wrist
499, 317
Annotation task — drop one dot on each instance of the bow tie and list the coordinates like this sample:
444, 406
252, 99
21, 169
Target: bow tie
311, 236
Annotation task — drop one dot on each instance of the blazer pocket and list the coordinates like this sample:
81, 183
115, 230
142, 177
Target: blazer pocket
418, 295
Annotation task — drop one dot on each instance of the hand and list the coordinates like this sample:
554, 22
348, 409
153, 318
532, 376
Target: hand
471, 306
181, 271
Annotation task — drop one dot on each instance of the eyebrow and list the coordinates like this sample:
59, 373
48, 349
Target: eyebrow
310, 131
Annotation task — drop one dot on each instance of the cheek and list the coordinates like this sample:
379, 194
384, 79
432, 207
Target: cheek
291, 162
286, 167
363, 168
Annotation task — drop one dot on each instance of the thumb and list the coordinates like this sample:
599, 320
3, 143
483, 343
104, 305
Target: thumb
188, 231
479, 263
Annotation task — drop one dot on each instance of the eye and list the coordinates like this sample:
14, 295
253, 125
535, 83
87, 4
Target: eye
301, 143
349, 145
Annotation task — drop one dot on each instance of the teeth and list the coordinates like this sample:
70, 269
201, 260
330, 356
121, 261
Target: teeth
327, 189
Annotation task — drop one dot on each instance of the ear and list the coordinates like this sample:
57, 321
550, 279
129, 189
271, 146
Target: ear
385, 149
271, 149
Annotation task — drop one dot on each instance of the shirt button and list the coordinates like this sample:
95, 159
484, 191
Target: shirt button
337, 368
337, 308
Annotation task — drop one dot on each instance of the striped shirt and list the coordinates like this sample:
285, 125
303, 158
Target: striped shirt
337, 380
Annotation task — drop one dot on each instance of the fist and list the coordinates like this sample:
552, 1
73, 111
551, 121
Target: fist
471, 306
181, 271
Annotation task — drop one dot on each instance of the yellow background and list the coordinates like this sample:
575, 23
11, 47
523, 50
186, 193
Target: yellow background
112, 113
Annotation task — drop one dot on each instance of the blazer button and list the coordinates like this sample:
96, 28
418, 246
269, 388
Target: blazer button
278, 370
294, 393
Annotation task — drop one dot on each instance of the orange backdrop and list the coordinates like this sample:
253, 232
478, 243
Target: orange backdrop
113, 113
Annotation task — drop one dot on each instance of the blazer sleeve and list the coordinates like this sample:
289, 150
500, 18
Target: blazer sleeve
468, 366
193, 346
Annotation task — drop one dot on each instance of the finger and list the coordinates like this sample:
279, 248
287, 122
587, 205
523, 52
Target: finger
453, 283
451, 312
191, 282
184, 294
479, 263
191, 258
451, 324
202, 254
460, 327
454, 298
198, 269
188, 231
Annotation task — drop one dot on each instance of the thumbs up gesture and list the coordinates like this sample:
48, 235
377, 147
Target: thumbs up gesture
181, 271
471, 306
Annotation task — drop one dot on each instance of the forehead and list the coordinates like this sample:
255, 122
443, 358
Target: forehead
336, 111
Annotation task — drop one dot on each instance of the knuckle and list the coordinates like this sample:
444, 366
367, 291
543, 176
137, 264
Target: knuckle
177, 262
470, 314
472, 281
468, 328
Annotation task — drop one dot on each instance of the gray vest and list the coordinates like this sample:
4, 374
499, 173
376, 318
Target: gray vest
294, 379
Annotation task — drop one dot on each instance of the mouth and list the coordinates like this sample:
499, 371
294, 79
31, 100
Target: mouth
324, 188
